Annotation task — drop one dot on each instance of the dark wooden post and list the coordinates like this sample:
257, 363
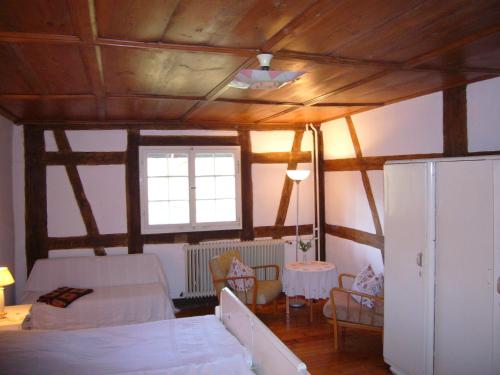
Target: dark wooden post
455, 141
133, 193
35, 190
247, 232
321, 191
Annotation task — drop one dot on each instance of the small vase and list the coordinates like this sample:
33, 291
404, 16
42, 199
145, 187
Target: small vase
304, 257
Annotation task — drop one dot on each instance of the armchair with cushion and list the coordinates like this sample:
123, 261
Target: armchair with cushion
263, 292
343, 311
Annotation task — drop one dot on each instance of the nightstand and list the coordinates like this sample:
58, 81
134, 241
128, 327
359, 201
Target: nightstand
17, 318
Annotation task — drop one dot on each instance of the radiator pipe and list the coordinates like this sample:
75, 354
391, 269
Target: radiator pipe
317, 238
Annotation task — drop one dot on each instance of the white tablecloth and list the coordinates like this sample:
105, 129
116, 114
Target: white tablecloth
311, 280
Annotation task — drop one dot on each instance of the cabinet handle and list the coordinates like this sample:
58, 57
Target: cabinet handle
419, 259
498, 285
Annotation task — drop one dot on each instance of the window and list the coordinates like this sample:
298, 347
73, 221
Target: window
190, 188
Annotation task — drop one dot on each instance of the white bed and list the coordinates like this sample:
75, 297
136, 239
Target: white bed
128, 289
234, 341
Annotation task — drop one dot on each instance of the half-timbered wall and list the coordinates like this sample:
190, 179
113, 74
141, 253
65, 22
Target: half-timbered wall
6, 210
90, 177
356, 148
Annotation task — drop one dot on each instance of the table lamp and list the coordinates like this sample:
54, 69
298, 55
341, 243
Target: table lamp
5, 279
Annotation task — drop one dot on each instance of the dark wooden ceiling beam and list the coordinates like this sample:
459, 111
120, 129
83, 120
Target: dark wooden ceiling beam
198, 48
386, 65
22, 37
160, 125
281, 157
84, 20
176, 97
31, 97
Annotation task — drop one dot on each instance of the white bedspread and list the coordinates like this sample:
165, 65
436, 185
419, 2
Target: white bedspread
188, 346
128, 289
105, 307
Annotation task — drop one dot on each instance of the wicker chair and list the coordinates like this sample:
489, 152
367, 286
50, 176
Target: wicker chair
343, 311
262, 293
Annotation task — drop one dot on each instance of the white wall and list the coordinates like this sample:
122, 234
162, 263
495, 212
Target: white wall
105, 189
410, 127
483, 115
6, 207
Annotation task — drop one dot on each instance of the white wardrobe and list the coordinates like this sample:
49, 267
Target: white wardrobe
442, 266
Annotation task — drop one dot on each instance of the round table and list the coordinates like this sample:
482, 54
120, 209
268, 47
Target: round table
313, 280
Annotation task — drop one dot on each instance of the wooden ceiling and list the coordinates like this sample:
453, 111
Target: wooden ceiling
106, 62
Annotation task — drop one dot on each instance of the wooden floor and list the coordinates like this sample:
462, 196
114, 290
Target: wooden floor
360, 353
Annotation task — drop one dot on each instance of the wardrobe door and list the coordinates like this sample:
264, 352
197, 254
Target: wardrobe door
496, 287
406, 234
464, 268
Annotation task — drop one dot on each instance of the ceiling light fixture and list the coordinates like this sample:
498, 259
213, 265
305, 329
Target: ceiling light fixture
263, 78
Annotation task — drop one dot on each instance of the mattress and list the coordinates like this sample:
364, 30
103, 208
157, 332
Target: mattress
187, 346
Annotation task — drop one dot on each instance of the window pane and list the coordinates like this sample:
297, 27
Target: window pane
204, 164
179, 212
178, 165
157, 188
225, 210
205, 211
224, 164
157, 164
157, 213
205, 187
178, 188
224, 187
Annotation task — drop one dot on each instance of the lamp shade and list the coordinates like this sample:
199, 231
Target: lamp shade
5, 277
298, 174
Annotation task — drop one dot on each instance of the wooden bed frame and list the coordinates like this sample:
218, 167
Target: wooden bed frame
270, 356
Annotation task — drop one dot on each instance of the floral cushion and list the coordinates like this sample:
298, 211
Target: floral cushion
238, 269
369, 283
365, 283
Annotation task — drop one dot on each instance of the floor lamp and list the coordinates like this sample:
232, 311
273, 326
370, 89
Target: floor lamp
297, 175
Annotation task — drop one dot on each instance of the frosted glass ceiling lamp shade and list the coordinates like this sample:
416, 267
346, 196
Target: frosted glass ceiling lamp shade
263, 78
298, 174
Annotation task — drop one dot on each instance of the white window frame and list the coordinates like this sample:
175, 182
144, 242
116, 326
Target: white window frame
192, 226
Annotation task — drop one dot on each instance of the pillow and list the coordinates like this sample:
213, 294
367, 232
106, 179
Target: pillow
226, 258
64, 296
362, 277
366, 274
372, 286
236, 269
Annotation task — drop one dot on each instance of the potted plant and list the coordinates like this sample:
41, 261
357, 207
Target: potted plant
304, 247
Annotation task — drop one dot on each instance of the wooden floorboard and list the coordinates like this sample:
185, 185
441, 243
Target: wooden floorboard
360, 353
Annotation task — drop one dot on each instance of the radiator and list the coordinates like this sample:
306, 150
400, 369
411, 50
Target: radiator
253, 253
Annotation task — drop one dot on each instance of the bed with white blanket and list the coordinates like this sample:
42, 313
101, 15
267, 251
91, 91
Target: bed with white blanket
127, 289
233, 341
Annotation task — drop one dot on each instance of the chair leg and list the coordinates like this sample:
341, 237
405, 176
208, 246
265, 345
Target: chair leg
335, 337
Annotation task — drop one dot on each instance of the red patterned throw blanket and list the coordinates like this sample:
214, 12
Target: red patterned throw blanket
64, 296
